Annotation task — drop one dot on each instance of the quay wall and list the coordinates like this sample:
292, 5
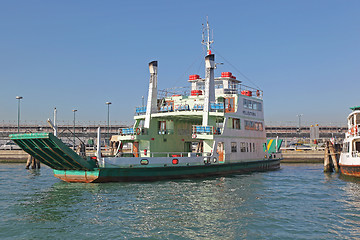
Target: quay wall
19, 156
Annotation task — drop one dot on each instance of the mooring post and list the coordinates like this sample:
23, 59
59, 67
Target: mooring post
28, 162
327, 163
33, 165
37, 163
333, 157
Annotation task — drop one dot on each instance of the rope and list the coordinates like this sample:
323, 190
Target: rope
238, 71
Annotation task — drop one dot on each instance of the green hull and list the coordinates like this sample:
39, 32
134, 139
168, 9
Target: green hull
159, 173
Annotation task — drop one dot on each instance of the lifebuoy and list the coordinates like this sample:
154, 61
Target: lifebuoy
120, 131
194, 135
258, 93
229, 106
137, 131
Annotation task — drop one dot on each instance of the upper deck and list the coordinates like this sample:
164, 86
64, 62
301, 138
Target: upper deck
190, 101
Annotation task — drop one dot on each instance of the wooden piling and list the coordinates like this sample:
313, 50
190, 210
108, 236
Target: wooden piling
333, 157
28, 162
327, 163
34, 163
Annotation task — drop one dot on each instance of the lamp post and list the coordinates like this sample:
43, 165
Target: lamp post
18, 122
108, 120
299, 116
74, 110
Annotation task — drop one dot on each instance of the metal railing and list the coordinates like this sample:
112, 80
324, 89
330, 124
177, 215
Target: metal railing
132, 131
145, 154
207, 130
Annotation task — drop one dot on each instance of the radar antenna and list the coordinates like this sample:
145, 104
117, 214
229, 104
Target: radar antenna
206, 37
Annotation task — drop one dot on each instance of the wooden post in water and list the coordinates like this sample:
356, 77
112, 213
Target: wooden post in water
37, 163
28, 162
327, 163
333, 157
33, 162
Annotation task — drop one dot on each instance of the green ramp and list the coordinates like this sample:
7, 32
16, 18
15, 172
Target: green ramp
51, 151
271, 145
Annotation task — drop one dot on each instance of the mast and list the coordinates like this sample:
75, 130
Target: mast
152, 94
206, 37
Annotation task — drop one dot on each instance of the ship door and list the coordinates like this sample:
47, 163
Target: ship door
187, 147
136, 149
230, 104
220, 151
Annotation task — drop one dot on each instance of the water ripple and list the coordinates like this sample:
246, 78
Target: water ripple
296, 202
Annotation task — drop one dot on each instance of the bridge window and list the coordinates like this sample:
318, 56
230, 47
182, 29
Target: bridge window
249, 104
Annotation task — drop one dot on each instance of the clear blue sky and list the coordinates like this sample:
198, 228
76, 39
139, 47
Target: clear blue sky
305, 54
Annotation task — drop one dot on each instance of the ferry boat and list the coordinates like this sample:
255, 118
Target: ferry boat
350, 156
215, 128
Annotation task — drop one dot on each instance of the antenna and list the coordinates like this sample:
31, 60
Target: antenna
206, 37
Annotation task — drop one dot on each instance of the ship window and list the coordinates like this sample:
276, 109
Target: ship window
253, 147
357, 146
234, 123
252, 105
250, 147
346, 147
357, 119
242, 147
233, 147
251, 125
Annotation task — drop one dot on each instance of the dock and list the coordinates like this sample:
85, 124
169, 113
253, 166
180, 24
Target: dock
311, 156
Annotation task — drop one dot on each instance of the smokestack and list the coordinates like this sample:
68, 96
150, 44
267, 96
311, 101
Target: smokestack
209, 87
152, 94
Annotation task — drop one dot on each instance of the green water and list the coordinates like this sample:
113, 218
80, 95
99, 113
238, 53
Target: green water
296, 202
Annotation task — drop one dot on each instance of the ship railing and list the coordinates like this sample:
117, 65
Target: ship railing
237, 88
217, 106
132, 131
168, 92
140, 110
145, 154
206, 130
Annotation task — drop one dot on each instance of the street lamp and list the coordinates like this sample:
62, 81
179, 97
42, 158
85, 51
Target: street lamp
18, 124
299, 116
74, 110
108, 119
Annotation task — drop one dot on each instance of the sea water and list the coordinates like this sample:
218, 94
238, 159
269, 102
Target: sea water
296, 202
